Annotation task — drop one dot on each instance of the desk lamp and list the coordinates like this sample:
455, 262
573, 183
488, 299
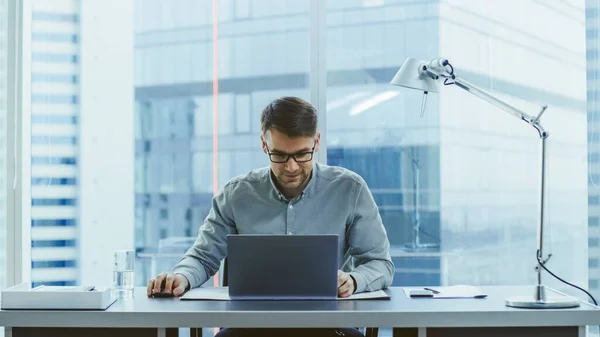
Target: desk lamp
423, 76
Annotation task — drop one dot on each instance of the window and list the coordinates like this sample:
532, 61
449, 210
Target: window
131, 159
3, 159
593, 121
372, 130
194, 133
125, 159
55, 158
456, 186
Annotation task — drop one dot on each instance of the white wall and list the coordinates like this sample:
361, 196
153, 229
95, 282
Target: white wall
107, 148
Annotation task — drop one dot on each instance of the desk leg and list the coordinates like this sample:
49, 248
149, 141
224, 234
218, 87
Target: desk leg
91, 332
563, 331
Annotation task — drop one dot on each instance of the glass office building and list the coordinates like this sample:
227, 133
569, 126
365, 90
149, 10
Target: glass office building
464, 171
592, 25
263, 54
141, 112
54, 142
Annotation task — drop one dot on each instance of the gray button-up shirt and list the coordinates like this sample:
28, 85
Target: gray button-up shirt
335, 201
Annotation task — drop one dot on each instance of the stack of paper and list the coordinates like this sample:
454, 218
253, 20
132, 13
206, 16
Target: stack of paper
22, 296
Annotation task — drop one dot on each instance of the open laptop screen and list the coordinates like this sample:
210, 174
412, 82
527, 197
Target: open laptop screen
282, 266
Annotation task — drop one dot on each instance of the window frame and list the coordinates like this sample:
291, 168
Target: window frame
17, 130
317, 77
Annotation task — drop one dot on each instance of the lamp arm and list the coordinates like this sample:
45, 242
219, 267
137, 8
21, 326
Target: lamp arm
436, 69
488, 97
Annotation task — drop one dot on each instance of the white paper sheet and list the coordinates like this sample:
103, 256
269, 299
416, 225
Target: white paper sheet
215, 294
457, 291
222, 294
371, 295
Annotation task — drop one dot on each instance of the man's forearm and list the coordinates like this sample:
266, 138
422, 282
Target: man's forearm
373, 275
203, 259
193, 270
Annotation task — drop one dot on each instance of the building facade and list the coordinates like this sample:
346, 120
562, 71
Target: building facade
464, 171
455, 179
592, 25
55, 115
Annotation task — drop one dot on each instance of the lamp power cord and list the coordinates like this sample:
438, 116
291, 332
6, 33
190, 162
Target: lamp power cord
541, 263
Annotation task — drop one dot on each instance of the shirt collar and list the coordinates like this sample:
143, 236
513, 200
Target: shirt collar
310, 187
278, 194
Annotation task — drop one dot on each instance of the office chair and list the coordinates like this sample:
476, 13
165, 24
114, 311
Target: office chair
369, 332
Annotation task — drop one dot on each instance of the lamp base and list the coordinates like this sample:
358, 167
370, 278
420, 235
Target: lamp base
541, 301
552, 302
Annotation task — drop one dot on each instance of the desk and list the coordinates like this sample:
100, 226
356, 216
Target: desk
142, 316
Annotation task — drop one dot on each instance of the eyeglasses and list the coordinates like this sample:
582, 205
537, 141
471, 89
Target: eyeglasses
301, 157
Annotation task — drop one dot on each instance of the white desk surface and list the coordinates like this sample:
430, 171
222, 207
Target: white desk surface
400, 311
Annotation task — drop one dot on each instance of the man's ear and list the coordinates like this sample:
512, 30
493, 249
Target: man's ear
263, 144
317, 141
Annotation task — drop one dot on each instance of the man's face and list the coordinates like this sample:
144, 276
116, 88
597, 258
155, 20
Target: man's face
290, 174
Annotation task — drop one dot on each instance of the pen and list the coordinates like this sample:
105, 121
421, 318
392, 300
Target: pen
432, 290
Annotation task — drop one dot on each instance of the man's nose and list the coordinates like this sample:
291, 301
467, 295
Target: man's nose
291, 165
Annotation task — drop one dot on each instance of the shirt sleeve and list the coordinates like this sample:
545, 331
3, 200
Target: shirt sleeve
203, 259
369, 244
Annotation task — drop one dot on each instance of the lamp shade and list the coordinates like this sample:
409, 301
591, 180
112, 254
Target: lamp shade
408, 76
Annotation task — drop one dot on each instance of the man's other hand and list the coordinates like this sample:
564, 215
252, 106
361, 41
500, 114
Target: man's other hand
168, 283
346, 284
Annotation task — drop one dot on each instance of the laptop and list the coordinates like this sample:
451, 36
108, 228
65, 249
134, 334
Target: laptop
282, 267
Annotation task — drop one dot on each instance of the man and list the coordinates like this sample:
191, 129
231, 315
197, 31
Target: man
295, 196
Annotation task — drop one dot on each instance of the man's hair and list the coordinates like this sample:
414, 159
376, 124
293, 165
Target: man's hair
291, 116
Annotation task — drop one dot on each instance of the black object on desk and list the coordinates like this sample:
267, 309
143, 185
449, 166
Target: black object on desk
161, 294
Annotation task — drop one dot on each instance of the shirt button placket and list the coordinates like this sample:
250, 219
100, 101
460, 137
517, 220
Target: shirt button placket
290, 219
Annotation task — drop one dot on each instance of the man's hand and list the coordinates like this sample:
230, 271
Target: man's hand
346, 286
168, 283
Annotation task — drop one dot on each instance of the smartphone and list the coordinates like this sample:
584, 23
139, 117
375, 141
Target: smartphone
420, 293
